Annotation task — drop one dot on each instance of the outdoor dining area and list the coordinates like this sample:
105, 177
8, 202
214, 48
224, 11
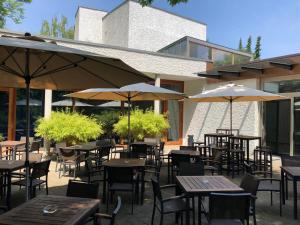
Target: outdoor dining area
224, 177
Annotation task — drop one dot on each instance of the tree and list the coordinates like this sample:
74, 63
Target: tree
257, 51
241, 45
12, 9
57, 28
249, 45
171, 2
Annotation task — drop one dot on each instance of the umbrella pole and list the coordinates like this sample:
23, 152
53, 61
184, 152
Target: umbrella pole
27, 81
230, 116
129, 133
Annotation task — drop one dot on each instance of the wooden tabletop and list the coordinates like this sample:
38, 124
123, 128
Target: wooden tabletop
12, 143
144, 143
91, 146
246, 137
184, 152
218, 135
125, 163
12, 165
292, 171
70, 211
206, 184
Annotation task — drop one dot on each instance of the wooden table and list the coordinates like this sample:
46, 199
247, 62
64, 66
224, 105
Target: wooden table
138, 164
244, 142
191, 153
217, 138
7, 167
293, 172
12, 146
203, 186
71, 211
86, 148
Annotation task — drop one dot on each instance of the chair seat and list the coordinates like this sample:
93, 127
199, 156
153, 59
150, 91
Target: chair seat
174, 205
225, 222
210, 168
268, 186
121, 187
35, 182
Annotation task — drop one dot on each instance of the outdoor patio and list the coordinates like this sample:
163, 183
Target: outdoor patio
266, 214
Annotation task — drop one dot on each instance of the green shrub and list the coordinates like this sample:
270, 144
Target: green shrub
142, 124
70, 127
1, 137
108, 118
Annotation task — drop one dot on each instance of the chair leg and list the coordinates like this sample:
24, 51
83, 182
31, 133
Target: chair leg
194, 217
286, 188
161, 218
107, 200
132, 201
271, 197
47, 190
153, 213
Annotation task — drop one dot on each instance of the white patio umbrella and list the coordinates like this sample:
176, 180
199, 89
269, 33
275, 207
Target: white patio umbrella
129, 93
30, 62
234, 93
112, 104
69, 103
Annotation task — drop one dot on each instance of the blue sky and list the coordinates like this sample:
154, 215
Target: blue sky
277, 21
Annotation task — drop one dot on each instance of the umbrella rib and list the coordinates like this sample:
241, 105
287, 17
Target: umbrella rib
14, 59
43, 65
93, 74
9, 55
59, 69
10, 70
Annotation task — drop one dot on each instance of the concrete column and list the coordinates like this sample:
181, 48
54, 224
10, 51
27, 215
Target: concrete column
48, 103
157, 102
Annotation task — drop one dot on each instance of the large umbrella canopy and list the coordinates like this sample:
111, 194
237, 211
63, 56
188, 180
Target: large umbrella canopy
69, 103
31, 62
32, 102
112, 104
234, 93
134, 92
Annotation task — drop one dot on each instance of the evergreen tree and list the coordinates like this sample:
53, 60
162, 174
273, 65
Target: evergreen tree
249, 44
57, 28
241, 45
257, 51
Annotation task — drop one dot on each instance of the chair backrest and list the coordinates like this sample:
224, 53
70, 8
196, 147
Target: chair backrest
36, 157
139, 150
40, 169
156, 190
103, 142
292, 161
116, 210
161, 146
248, 168
35, 146
190, 148
250, 184
67, 153
191, 169
89, 164
82, 189
178, 158
229, 206
120, 175
60, 145
105, 151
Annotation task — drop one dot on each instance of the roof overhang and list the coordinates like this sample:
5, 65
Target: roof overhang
277, 66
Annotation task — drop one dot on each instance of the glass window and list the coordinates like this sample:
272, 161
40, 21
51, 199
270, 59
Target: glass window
238, 59
286, 86
221, 58
179, 48
199, 51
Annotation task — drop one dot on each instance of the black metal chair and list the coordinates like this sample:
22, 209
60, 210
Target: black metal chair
57, 153
266, 184
100, 216
39, 170
121, 179
250, 185
69, 158
92, 170
214, 164
139, 151
35, 146
176, 159
116, 148
174, 204
229, 209
82, 189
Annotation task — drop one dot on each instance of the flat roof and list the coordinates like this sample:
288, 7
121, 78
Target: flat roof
276, 66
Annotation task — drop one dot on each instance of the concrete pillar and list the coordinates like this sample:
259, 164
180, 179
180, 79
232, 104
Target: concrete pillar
48, 103
157, 102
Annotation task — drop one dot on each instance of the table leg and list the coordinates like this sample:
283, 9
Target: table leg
14, 153
168, 169
283, 187
199, 209
8, 195
248, 151
187, 218
295, 199
104, 185
143, 186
